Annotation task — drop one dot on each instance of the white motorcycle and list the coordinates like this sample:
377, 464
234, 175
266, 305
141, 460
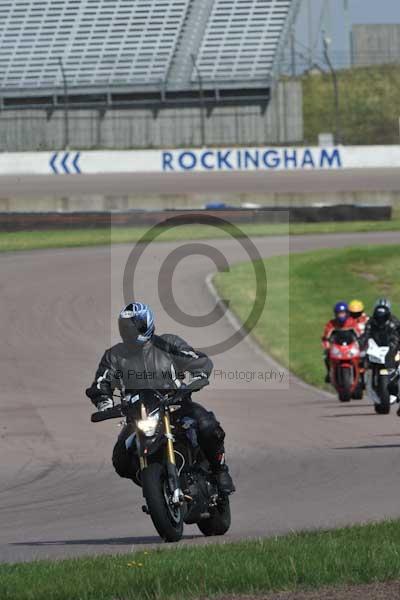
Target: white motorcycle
377, 378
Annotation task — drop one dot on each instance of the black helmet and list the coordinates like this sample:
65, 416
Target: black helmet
382, 315
383, 302
136, 323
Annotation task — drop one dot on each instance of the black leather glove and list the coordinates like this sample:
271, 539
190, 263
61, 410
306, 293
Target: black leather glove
176, 398
197, 383
99, 400
104, 404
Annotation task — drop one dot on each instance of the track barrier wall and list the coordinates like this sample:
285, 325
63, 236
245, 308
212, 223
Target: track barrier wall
74, 163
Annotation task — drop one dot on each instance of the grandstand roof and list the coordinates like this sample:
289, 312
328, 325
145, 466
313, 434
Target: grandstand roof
140, 44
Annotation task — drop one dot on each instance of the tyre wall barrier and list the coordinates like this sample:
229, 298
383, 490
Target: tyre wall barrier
302, 214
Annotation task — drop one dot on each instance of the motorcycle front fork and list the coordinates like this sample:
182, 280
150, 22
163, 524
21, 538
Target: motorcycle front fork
173, 479
177, 496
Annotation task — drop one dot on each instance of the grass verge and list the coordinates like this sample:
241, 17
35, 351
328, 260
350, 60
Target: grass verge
301, 291
355, 555
68, 238
368, 104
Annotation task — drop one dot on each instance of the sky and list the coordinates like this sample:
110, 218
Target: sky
360, 12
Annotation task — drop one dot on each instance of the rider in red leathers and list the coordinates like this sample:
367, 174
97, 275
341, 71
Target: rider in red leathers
342, 320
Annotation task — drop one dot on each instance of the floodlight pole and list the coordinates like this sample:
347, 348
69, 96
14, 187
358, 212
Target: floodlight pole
66, 105
347, 28
326, 43
292, 53
202, 103
310, 35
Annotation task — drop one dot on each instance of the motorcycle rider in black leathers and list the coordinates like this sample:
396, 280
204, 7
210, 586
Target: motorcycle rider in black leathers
384, 328
147, 361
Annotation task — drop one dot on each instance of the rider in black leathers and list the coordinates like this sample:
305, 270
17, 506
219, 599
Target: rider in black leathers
147, 361
384, 328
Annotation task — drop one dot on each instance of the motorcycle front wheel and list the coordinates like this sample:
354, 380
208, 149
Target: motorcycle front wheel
384, 407
346, 384
167, 519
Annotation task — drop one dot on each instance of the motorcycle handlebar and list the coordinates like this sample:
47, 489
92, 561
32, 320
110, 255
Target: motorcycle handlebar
104, 415
116, 411
181, 395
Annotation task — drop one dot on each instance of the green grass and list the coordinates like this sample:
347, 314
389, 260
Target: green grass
27, 240
356, 555
291, 324
368, 105
31, 240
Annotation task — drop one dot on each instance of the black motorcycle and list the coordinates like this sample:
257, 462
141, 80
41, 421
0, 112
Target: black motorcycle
377, 379
178, 485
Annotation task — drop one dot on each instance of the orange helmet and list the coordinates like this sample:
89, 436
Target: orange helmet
356, 308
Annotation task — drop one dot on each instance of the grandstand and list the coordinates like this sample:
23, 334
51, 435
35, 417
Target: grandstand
130, 53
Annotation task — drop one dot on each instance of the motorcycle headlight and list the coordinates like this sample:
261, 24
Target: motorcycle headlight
148, 426
354, 352
335, 351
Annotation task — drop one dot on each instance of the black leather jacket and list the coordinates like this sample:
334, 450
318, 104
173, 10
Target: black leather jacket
159, 364
389, 335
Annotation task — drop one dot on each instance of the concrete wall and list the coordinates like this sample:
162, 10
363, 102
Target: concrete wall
199, 160
376, 44
24, 130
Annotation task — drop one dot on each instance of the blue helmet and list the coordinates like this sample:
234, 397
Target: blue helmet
136, 323
341, 307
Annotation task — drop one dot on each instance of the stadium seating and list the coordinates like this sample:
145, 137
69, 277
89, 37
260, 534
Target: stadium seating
135, 47
106, 42
241, 39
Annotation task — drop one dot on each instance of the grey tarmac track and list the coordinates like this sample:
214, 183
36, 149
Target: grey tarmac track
299, 458
128, 184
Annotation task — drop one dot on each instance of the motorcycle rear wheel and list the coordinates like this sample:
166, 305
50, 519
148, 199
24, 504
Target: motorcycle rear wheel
167, 520
359, 392
220, 520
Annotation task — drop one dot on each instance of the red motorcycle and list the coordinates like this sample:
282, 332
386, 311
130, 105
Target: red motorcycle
345, 365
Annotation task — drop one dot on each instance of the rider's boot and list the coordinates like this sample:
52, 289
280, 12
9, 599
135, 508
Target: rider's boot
393, 386
328, 368
221, 472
